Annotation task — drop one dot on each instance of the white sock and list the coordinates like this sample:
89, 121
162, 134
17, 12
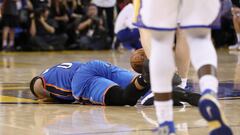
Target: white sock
183, 84
164, 110
4, 43
238, 37
208, 82
11, 43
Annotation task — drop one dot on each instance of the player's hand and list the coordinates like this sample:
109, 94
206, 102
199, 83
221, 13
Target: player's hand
89, 21
41, 19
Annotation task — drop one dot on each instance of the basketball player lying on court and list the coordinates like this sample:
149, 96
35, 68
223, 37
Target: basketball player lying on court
95, 82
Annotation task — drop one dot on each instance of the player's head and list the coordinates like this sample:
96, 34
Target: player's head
37, 88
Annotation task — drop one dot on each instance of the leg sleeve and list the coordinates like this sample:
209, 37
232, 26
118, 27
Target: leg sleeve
116, 96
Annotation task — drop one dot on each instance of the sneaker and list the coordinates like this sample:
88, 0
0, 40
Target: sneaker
176, 80
4, 48
234, 47
166, 128
209, 108
148, 99
182, 95
11, 49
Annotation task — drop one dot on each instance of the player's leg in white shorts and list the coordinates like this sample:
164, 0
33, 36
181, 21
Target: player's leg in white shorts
196, 17
160, 17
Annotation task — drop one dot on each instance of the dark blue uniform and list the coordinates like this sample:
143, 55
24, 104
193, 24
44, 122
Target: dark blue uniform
85, 81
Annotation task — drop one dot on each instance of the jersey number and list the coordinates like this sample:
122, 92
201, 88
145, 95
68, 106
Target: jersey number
65, 65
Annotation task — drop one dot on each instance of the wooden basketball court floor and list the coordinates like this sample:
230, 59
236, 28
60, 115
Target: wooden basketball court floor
21, 115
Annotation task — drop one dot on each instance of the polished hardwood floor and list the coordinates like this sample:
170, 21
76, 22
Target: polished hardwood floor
20, 114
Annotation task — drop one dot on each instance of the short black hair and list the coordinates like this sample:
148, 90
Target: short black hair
92, 4
32, 84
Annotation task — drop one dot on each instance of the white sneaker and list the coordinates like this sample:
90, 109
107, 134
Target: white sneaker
234, 47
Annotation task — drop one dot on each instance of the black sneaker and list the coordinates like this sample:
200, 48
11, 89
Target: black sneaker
4, 48
148, 99
11, 49
186, 96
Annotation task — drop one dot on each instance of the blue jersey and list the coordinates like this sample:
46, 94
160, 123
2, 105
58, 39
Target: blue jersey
86, 82
58, 79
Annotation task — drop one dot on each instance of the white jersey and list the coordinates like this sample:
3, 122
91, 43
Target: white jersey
124, 19
104, 3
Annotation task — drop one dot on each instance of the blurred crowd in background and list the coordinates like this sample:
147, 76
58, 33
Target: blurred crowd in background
47, 25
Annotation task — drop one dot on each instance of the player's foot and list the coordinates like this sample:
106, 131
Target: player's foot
4, 48
148, 99
210, 110
11, 49
176, 80
234, 47
166, 128
186, 96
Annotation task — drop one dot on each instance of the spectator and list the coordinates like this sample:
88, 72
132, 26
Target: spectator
21, 32
42, 31
85, 2
126, 33
59, 14
24, 11
108, 7
93, 35
74, 9
236, 22
121, 4
225, 35
9, 23
75, 12
40, 3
